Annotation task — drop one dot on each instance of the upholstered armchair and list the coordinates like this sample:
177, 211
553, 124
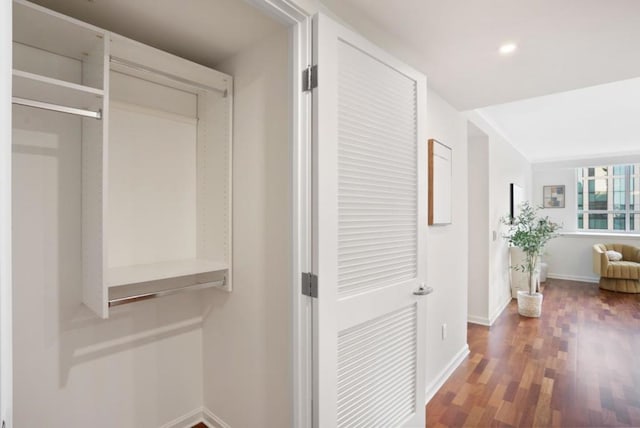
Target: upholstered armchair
621, 275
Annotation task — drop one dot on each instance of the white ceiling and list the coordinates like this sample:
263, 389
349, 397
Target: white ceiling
593, 122
204, 31
562, 45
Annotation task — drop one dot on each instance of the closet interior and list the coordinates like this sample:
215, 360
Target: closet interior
156, 155
127, 160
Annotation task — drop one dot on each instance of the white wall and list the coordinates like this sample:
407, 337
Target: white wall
447, 250
6, 374
143, 366
506, 165
545, 175
247, 334
479, 230
570, 255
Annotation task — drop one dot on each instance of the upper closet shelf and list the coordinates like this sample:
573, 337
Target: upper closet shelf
55, 91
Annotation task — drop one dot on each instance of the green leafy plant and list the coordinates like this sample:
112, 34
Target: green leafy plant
530, 233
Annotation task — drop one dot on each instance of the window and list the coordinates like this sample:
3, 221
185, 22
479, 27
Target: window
608, 198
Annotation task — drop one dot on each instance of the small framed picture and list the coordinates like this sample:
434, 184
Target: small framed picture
553, 196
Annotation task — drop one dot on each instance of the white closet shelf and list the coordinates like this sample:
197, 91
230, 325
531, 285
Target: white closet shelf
125, 275
47, 89
50, 31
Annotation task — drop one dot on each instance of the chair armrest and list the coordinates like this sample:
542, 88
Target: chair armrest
600, 259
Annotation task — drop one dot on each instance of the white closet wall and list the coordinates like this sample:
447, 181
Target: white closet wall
247, 334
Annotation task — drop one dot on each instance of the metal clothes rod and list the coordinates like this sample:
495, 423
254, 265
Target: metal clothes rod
150, 70
152, 295
57, 107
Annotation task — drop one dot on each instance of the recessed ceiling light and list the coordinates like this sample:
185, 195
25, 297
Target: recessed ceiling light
507, 48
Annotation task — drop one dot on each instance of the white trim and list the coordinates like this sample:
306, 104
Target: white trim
441, 378
302, 376
499, 311
6, 355
283, 11
581, 162
478, 320
186, 421
498, 130
622, 235
214, 421
488, 322
199, 415
590, 279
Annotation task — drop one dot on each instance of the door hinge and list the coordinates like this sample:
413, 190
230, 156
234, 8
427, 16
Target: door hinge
309, 284
310, 78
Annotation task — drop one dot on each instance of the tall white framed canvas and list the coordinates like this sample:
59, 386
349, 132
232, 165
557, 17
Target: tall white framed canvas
440, 170
516, 198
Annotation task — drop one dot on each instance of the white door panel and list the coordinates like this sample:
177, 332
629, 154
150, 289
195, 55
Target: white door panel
370, 231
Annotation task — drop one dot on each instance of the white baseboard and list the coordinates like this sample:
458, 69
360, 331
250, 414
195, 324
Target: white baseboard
488, 322
479, 320
212, 420
499, 311
196, 416
590, 279
186, 421
437, 383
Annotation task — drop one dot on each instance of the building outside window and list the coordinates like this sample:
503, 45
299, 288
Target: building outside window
609, 198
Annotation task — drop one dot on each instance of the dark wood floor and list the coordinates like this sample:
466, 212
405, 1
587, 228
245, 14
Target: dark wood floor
576, 366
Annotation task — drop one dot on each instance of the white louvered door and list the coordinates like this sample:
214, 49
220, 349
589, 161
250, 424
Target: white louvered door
369, 234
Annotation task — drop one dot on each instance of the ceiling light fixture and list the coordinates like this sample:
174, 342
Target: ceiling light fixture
507, 48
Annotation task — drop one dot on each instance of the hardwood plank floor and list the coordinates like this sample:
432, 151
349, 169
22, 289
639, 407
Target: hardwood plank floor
576, 366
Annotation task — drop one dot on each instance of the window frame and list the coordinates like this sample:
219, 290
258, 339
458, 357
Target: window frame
631, 180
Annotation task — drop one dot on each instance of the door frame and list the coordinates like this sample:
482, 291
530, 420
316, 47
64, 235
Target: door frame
299, 22
6, 315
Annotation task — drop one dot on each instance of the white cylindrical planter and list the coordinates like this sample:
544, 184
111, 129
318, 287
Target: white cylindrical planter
529, 305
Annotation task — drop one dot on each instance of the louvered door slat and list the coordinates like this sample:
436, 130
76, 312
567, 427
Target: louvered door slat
376, 370
356, 138
367, 120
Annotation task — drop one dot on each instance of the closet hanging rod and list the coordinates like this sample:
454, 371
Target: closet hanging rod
150, 70
57, 107
152, 295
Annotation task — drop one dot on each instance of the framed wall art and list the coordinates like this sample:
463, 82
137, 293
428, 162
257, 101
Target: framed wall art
440, 157
516, 197
553, 196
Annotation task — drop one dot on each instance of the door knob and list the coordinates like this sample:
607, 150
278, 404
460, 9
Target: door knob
423, 290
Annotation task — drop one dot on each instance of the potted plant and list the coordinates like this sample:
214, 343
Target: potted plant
530, 233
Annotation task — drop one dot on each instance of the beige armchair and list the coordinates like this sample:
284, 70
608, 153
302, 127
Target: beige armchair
623, 275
